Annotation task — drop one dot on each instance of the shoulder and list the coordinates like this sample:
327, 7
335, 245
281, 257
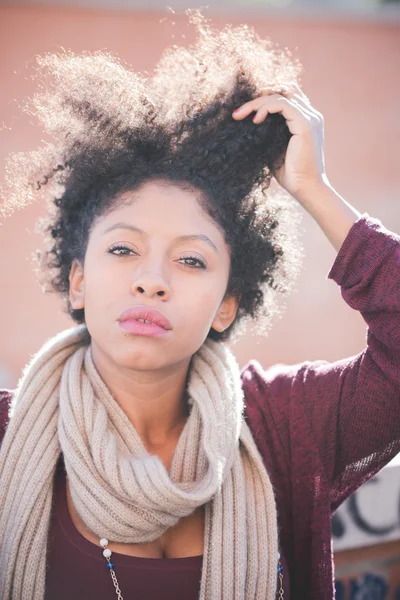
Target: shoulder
267, 394
282, 392
276, 397
5, 402
280, 381
263, 386
268, 400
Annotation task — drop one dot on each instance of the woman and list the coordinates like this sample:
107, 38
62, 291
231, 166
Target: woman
137, 460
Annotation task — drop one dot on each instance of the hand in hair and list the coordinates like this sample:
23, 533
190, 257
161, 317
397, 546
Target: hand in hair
304, 167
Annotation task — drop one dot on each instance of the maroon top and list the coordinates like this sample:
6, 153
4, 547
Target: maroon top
322, 428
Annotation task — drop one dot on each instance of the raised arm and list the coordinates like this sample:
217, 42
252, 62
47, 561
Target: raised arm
368, 411
342, 418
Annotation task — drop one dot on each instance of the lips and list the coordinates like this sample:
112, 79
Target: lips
143, 312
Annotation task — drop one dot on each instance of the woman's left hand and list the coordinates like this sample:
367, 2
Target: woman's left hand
304, 168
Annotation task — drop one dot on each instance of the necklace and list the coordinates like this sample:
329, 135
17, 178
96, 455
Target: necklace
110, 566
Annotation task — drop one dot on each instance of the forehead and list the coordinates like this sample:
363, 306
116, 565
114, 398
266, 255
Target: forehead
162, 194
163, 207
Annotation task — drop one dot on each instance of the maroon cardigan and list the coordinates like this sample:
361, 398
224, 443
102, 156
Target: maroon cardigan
322, 428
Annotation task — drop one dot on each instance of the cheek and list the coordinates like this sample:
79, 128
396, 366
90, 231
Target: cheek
101, 287
199, 302
103, 274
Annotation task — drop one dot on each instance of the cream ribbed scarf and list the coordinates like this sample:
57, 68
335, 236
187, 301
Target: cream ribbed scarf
120, 491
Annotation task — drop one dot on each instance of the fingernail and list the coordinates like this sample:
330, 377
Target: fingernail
236, 111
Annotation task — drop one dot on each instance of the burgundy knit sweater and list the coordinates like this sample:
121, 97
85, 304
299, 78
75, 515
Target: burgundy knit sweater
322, 428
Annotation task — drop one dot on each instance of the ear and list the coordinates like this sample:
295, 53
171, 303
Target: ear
76, 286
225, 314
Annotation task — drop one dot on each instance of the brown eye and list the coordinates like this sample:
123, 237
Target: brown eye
120, 250
196, 263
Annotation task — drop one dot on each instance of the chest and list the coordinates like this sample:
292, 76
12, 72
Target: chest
185, 539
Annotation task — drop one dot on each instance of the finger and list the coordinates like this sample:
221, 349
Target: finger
301, 93
305, 107
261, 114
248, 107
297, 120
305, 102
308, 108
254, 105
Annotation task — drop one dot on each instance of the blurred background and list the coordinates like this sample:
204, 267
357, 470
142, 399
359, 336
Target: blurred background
350, 50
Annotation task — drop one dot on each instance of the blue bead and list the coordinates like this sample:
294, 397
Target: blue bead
110, 565
280, 568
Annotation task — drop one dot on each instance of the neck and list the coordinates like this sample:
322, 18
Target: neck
155, 402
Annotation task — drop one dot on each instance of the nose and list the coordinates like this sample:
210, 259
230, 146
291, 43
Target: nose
149, 284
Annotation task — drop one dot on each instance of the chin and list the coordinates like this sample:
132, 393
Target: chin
142, 355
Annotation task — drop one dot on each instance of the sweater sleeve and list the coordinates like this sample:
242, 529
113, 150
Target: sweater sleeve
366, 388
343, 418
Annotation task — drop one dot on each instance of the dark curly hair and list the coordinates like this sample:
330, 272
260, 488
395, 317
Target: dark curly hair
114, 130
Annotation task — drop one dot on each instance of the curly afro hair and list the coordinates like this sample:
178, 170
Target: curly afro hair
114, 130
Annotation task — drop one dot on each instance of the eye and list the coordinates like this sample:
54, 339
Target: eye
196, 263
120, 250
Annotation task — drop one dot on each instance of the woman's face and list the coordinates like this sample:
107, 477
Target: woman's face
159, 250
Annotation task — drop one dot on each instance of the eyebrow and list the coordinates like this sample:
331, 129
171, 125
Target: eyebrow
181, 238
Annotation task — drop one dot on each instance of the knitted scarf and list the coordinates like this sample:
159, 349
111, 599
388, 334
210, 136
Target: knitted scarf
120, 491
